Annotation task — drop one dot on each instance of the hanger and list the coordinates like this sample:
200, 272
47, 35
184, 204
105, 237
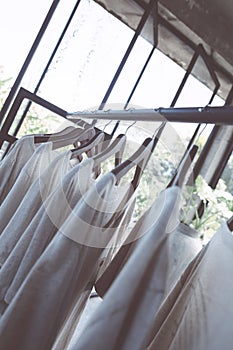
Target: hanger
76, 135
230, 223
93, 142
142, 165
180, 174
47, 137
41, 138
138, 159
116, 147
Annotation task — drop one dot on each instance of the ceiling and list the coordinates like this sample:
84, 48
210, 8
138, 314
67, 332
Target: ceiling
182, 25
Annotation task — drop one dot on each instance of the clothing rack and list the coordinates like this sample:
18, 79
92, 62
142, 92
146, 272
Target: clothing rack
208, 115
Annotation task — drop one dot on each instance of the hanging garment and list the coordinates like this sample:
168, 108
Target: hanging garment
34, 167
46, 222
64, 270
12, 164
75, 321
198, 314
123, 319
73, 325
32, 201
183, 244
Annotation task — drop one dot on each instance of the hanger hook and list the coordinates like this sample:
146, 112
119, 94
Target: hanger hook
198, 138
161, 126
130, 126
107, 125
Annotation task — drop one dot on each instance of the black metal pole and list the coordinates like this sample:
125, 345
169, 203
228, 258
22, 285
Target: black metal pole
22, 94
47, 67
28, 59
207, 115
127, 53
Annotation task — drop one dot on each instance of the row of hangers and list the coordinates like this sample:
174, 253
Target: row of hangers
91, 138
99, 145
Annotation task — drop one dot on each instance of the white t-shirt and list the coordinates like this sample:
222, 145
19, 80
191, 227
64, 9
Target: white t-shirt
34, 167
30, 244
183, 244
32, 201
124, 317
198, 312
12, 164
64, 271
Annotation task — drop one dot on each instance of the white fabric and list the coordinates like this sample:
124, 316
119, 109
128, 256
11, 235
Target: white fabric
47, 221
12, 164
198, 314
123, 319
77, 322
183, 245
62, 273
32, 201
34, 167
74, 325
27, 222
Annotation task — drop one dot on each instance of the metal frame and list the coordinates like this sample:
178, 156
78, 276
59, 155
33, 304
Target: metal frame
220, 167
25, 94
168, 25
28, 59
47, 65
199, 52
147, 12
150, 9
154, 13
207, 115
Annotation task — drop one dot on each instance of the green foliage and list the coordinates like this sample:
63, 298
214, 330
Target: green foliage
218, 206
155, 178
37, 122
